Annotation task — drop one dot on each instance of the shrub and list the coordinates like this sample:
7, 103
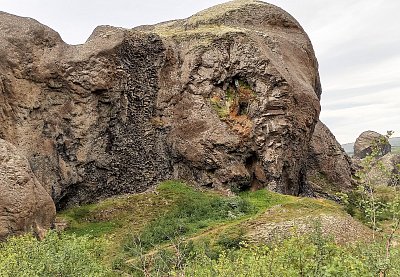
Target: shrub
310, 255
56, 255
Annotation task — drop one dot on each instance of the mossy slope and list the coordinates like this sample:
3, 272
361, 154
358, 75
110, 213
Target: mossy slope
175, 210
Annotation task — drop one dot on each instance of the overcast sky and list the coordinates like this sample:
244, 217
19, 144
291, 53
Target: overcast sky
357, 43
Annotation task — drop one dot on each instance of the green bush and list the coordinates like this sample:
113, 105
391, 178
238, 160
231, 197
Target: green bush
56, 255
231, 238
311, 255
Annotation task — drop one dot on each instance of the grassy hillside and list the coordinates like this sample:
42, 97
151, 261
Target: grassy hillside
177, 230
151, 225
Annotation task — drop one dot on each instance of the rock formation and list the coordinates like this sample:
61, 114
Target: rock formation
367, 141
329, 168
25, 206
227, 98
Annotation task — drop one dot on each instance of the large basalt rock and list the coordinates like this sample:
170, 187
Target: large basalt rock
366, 142
25, 206
329, 168
227, 98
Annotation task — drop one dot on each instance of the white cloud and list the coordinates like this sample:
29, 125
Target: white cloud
378, 111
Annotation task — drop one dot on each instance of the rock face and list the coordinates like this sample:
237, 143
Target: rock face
227, 98
367, 140
24, 204
329, 168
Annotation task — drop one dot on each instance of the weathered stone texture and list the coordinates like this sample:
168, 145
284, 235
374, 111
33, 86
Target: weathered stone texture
329, 168
369, 140
25, 206
227, 98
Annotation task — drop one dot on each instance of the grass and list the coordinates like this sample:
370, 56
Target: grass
192, 211
151, 223
55, 255
177, 209
109, 216
235, 102
157, 217
205, 33
218, 11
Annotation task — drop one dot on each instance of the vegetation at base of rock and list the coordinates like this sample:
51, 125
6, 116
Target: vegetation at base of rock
374, 201
177, 212
192, 211
309, 255
179, 230
56, 255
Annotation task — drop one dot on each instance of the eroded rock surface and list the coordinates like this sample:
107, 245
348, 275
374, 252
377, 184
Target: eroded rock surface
329, 168
227, 98
366, 142
25, 206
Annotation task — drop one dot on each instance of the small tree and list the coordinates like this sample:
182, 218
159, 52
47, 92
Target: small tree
375, 173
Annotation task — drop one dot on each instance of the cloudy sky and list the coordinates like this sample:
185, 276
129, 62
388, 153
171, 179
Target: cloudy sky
357, 43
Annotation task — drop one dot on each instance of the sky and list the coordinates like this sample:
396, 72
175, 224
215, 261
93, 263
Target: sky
357, 44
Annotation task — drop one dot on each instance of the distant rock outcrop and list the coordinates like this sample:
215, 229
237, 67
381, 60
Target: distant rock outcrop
25, 206
367, 141
227, 98
329, 168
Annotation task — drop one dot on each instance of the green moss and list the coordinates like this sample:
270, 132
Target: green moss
263, 199
94, 229
205, 33
314, 206
280, 208
117, 216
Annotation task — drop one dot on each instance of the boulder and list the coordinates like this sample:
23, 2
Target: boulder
329, 168
227, 99
25, 206
366, 142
